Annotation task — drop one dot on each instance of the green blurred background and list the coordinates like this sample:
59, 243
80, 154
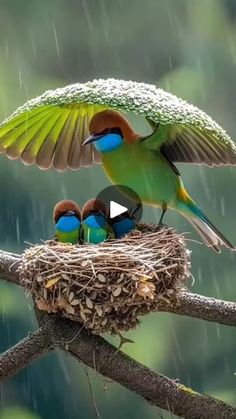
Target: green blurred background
186, 47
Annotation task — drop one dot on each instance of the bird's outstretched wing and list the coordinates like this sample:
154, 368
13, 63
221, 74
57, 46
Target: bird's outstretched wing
51, 136
49, 130
188, 144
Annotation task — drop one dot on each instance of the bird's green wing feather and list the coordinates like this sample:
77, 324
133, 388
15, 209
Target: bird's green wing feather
50, 129
51, 136
188, 144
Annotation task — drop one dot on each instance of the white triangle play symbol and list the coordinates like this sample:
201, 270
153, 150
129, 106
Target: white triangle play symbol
116, 209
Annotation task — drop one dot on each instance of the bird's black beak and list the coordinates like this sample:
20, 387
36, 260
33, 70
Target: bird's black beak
91, 139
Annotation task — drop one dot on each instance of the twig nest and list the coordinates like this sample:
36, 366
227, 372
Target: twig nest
107, 287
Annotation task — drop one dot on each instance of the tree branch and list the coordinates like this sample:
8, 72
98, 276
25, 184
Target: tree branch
206, 308
9, 263
107, 360
98, 354
23, 353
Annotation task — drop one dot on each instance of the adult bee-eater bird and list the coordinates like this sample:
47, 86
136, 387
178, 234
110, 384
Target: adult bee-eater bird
50, 130
95, 228
124, 223
67, 219
143, 164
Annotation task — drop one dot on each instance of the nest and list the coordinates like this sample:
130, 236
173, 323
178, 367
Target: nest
107, 287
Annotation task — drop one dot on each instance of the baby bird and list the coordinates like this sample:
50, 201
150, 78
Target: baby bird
95, 228
67, 219
124, 223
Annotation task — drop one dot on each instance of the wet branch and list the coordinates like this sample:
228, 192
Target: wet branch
157, 389
23, 353
94, 351
98, 354
205, 308
9, 263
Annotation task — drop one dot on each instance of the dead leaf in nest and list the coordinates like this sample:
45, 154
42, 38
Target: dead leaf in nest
52, 282
44, 305
104, 322
71, 296
75, 302
82, 315
99, 311
89, 303
101, 278
144, 278
146, 289
87, 311
66, 277
84, 263
70, 310
116, 291
99, 285
64, 305
125, 290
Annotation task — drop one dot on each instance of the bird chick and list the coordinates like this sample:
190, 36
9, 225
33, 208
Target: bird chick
95, 228
124, 223
67, 220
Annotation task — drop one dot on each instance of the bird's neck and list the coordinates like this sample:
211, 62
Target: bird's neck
122, 157
121, 150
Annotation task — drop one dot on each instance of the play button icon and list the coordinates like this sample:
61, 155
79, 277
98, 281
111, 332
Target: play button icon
116, 209
121, 201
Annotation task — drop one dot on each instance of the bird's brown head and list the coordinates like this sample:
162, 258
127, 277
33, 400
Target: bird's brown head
109, 120
94, 206
109, 130
66, 207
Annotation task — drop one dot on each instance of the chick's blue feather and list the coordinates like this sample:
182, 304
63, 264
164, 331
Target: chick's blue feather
123, 226
67, 224
95, 221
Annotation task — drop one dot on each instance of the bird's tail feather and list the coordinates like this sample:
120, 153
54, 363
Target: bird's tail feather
211, 236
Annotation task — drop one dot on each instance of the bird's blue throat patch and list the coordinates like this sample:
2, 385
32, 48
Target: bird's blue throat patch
68, 223
95, 221
109, 142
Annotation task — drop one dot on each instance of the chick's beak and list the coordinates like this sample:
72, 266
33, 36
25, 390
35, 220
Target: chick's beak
91, 139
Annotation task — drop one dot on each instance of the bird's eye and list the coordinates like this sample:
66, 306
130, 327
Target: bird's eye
104, 132
107, 131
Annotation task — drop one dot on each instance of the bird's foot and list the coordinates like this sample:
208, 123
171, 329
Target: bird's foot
164, 209
161, 225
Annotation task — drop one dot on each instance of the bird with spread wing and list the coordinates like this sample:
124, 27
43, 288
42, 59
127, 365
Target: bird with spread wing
81, 124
